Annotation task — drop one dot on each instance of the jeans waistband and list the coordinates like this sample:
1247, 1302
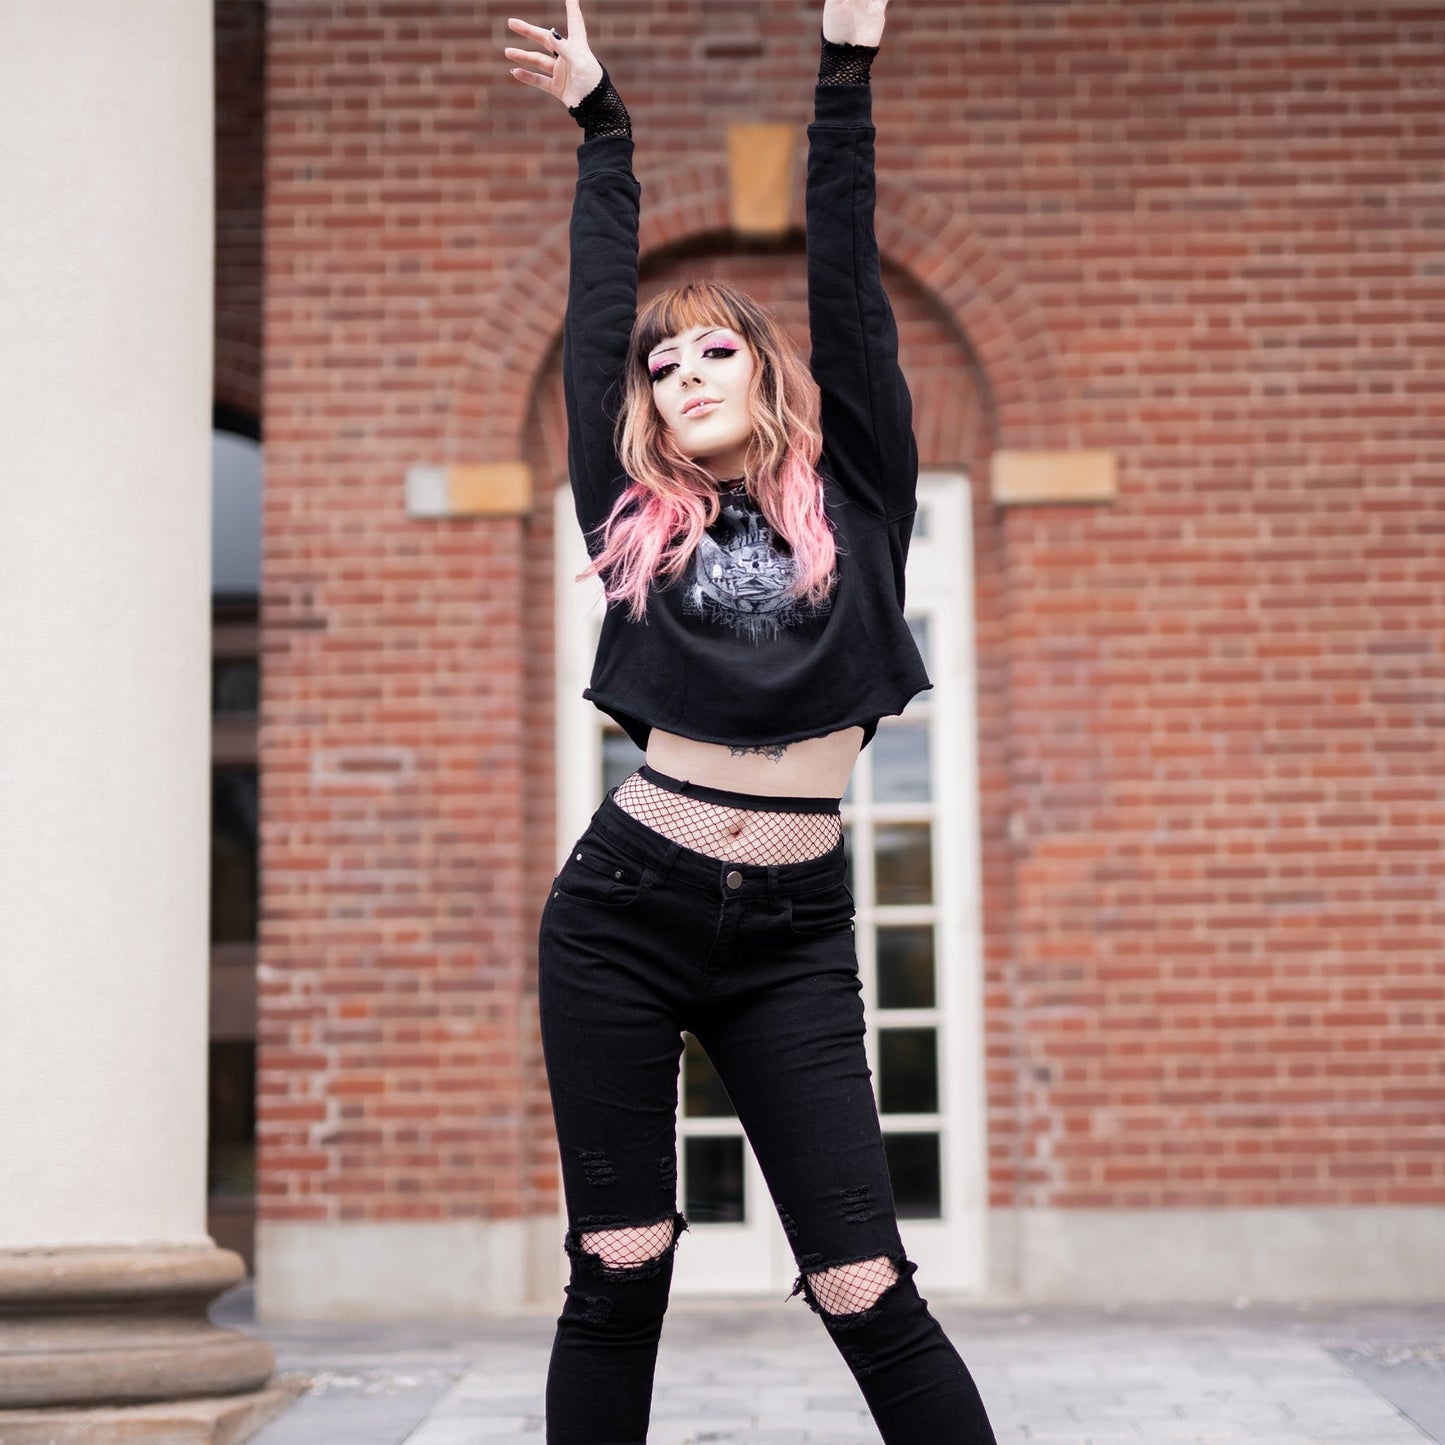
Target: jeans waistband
669, 859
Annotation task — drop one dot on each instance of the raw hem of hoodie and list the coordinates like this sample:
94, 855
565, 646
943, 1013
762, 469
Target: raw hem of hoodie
619, 714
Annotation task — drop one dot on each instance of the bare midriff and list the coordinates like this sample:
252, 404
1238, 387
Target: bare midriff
810, 768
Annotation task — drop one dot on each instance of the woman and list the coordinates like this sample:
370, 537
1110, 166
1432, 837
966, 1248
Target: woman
749, 517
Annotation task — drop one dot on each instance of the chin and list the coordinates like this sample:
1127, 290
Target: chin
719, 448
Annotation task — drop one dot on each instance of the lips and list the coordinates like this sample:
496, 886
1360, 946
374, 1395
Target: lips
699, 402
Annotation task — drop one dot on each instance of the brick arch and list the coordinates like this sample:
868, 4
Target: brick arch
949, 262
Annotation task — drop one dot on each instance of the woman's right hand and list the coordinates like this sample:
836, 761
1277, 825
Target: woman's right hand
565, 68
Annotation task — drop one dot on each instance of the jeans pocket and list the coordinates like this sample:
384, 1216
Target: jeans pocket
822, 910
598, 871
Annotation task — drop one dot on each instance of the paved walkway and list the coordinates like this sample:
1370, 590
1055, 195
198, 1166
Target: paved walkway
761, 1372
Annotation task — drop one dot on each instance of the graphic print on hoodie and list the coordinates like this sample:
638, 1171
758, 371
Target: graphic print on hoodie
741, 576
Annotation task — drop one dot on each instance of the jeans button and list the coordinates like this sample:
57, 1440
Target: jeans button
735, 879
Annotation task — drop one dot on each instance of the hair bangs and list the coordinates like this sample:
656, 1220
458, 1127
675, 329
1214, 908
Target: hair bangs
696, 303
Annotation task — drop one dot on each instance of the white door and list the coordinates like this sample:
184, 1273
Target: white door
911, 819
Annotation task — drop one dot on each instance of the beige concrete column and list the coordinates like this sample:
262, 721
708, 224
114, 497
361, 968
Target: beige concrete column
106, 221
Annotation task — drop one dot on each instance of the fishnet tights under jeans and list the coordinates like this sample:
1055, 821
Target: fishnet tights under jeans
620, 1248
739, 835
847, 1288
842, 1290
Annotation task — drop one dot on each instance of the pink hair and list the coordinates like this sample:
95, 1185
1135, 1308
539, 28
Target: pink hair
658, 521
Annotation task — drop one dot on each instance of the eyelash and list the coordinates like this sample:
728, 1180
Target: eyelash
666, 366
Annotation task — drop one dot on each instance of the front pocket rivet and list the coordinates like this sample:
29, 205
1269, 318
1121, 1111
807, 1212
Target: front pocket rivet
617, 873
579, 857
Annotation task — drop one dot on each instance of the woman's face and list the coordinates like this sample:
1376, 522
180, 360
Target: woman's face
714, 366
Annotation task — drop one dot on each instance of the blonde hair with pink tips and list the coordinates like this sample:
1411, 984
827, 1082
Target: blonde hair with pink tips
658, 521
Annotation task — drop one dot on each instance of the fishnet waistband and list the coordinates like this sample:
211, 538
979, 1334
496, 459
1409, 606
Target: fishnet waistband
736, 835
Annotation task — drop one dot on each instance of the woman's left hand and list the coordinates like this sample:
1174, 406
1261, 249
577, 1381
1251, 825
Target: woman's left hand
853, 22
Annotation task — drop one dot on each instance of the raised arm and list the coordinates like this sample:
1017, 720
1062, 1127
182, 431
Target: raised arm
602, 269
867, 413
601, 307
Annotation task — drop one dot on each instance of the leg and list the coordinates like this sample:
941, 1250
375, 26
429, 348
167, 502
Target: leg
792, 1059
604, 1354
612, 1047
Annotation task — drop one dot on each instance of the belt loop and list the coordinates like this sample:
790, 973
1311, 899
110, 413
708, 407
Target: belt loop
774, 893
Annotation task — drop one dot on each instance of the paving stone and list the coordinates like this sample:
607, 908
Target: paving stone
370, 1406
745, 1373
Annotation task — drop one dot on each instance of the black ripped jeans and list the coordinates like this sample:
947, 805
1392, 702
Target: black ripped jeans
642, 938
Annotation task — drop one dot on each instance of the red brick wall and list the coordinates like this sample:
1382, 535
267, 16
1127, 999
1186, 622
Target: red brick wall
1205, 236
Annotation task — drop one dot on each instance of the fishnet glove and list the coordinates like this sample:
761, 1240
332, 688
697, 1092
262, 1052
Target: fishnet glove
601, 111
844, 64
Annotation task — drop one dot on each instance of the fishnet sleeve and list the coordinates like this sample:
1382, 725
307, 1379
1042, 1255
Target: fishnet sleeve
843, 64
601, 111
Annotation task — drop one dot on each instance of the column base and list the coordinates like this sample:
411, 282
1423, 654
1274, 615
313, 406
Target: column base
87, 1327
227, 1420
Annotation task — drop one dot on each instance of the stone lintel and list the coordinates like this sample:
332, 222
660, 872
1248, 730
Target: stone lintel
761, 162
466, 489
1075, 476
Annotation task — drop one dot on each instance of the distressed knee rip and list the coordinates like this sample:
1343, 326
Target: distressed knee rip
617, 1250
849, 1294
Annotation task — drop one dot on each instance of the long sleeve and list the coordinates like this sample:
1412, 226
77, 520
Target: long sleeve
601, 308
867, 413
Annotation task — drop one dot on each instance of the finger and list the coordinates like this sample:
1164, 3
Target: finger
533, 57
533, 32
576, 26
528, 78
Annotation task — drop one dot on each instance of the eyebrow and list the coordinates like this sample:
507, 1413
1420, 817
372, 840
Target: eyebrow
658, 350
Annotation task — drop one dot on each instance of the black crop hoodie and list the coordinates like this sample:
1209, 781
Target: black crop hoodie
724, 656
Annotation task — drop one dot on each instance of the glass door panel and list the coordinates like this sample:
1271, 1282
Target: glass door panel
703, 1094
907, 1075
620, 756
713, 1189
894, 819
713, 1174
915, 1168
729, 1211
901, 772
903, 862
905, 968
